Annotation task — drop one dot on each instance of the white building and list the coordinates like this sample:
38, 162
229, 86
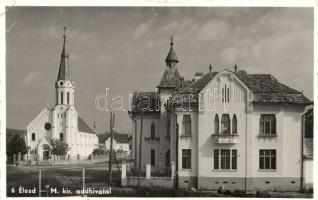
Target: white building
62, 121
225, 128
120, 142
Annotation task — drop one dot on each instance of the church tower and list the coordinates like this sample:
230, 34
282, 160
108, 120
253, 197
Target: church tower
64, 85
64, 114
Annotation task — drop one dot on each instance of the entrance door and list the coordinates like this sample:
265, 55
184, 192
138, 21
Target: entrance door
45, 155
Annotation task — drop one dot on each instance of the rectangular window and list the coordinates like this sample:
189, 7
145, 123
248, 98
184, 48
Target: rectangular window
216, 159
268, 124
186, 158
267, 159
234, 159
225, 159
152, 152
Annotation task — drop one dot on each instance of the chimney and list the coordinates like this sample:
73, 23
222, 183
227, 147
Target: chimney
210, 68
198, 75
235, 68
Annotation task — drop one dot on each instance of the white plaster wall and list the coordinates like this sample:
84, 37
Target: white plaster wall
211, 107
37, 126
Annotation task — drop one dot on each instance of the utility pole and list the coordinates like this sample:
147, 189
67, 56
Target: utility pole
140, 145
112, 119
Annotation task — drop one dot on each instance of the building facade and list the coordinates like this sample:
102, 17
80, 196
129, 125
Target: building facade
223, 129
120, 142
61, 121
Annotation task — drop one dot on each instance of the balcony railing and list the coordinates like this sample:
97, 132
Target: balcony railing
225, 138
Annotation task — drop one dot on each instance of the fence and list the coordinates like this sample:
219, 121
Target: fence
148, 180
60, 181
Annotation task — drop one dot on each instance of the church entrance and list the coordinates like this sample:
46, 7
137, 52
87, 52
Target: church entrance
46, 152
46, 155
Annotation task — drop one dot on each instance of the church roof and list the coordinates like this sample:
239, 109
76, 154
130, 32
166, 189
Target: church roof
64, 70
83, 127
265, 88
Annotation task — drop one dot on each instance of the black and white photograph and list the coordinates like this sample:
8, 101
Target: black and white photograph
158, 101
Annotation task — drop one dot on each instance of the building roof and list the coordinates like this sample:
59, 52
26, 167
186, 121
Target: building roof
146, 102
120, 138
172, 56
83, 127
265, 88
64, 70
170, 79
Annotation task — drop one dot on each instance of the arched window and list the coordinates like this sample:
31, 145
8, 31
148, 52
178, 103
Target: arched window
268, 124
216, 124
225, 124
234, 124
61, 136
167, 160
62, 97
33, 136
186, 125
68, 97
153, 130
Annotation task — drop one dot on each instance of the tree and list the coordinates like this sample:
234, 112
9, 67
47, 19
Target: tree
59, 148
15, 145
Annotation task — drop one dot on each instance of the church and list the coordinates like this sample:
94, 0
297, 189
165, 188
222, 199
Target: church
225, 128
61, 121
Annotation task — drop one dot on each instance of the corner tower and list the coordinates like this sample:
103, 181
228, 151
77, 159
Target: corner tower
171, 78
64, 85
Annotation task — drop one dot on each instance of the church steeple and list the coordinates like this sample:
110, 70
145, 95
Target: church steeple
64, 70
64, 85
171, 59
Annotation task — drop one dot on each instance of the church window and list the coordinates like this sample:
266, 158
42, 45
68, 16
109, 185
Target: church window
68, 97
33, 136
152, 156
186, 125
153, 130
61, 136
62, 98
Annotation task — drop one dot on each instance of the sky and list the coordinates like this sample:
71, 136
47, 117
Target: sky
124, 49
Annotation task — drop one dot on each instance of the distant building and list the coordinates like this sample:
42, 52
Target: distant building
223, 128
61, 121
120, 142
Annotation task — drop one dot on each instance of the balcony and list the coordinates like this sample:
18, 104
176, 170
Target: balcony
225, 138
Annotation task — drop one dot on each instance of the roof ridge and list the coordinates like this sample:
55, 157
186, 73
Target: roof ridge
266, 86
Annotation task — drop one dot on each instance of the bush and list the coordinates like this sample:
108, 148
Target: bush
98, 152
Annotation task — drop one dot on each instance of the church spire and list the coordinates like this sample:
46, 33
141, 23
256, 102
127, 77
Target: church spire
171, 59
64, 70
